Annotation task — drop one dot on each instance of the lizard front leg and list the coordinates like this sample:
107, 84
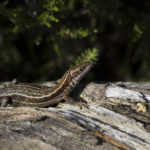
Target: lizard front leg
71, 100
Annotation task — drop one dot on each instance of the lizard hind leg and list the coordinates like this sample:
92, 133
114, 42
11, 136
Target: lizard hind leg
4, 101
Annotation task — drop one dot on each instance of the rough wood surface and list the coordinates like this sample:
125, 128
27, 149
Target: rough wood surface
110, 122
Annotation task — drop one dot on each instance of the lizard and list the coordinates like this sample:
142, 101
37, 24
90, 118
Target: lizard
34, 95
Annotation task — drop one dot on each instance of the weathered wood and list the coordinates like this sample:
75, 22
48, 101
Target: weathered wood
111, 121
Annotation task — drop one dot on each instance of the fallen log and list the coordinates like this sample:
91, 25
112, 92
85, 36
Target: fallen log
116, 117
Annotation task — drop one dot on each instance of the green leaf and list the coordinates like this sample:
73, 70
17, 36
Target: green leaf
89, 55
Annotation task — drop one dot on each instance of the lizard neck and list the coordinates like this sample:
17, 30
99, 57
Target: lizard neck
63, 86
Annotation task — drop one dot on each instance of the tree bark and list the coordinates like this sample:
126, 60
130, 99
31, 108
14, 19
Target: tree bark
111, 120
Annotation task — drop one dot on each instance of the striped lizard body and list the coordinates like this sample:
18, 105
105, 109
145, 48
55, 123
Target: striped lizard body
23, 94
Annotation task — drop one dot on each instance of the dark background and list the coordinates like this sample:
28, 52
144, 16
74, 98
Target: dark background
39, 39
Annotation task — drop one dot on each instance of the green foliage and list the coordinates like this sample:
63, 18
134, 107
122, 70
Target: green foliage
138, 29
42, 37
89, 55
78, 33
47, 16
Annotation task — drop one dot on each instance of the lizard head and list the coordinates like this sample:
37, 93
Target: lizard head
78, 71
